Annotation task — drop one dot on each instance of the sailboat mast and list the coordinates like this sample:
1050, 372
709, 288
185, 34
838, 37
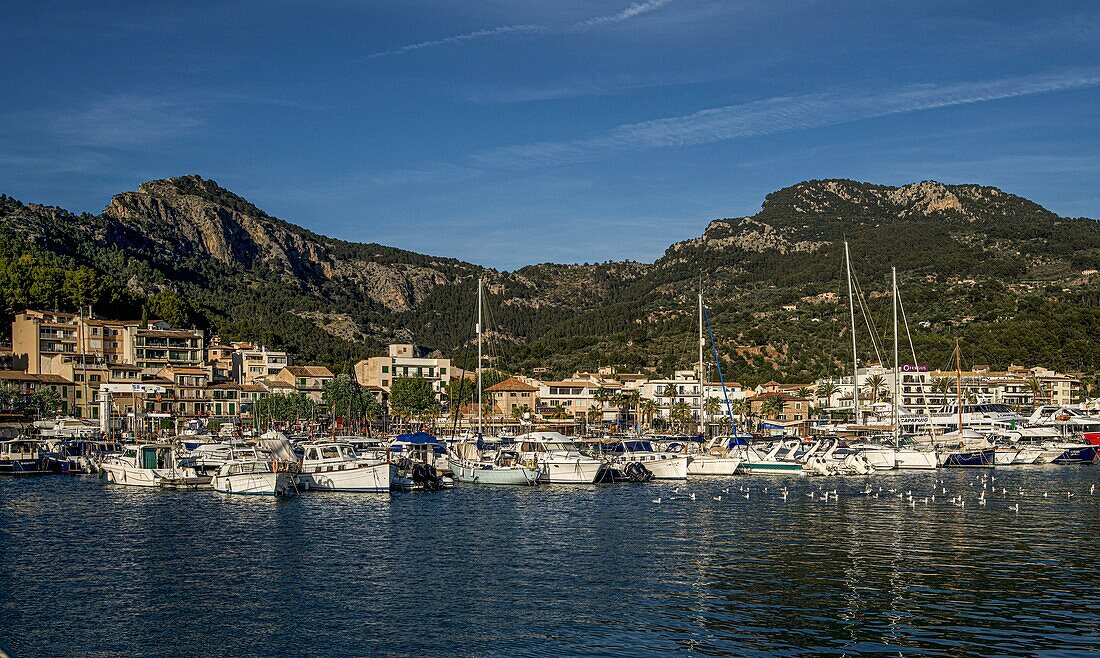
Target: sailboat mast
855, 358
702, 368
479, 392
897, 367
959, 385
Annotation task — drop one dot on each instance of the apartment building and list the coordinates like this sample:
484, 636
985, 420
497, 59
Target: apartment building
251, 363
28, 383
188, 386
154, 348
404, 360
39, 335
309, 380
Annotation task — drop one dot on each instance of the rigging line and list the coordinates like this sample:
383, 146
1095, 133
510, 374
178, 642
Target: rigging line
871, 329
718, 365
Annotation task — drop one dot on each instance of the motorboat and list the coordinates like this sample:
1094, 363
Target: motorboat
755, 463
144, 465
557, 458
966, 449
336, 466
252, 472
414, 463
662, 465
714, 459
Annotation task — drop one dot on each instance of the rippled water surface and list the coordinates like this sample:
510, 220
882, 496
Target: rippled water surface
94, 570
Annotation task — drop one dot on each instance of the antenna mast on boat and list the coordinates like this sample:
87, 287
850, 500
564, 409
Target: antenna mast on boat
479, 392
702, 367
855, 358
897, 367
959, 384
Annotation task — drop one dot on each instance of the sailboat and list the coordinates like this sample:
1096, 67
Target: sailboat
739, 445
909, 457
466, 461
715, 457
964, 448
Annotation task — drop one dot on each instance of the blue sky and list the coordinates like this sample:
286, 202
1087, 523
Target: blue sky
510, 133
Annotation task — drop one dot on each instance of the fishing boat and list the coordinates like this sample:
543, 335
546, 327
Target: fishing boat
333, 466
28, 457
557, 458
251, 472
144, 465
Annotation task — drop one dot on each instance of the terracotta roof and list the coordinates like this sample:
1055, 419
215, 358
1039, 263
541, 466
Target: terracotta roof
512, 384
308, 371
254, 388
571, 384
186, 370
225, 385
20, 376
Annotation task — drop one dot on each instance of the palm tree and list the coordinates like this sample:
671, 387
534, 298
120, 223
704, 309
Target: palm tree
648, 409
742, 409
1038, 393
875, 384
826, 391
941, 385
804, 392
772, 406
631, 399
679, 413
711, 407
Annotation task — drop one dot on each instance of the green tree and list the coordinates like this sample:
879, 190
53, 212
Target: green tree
825, 392
679, 413
412, 398
47, 402
772, 405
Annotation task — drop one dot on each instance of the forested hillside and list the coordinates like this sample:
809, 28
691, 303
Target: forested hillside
1017, 283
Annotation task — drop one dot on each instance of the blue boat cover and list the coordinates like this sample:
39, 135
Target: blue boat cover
417, 437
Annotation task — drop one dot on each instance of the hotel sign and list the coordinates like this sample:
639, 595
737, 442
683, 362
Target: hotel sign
909, 367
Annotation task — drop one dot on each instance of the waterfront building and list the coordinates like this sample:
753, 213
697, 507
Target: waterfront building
188, 388
28, 383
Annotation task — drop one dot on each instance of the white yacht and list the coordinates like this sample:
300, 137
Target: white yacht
144, 465
984, 417
335, 466
503, 467
663, 465
1067, 420
557, 458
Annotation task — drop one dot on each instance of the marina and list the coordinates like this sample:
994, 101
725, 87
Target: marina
721, 566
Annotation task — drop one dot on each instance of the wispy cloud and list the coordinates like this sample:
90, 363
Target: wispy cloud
635, 9
126, 121
461, 38
779, 114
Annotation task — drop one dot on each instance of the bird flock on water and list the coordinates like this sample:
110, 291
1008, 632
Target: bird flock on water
984, 485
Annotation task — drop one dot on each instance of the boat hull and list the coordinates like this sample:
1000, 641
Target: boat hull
921, 460
255, 484
667, 468
374, 478
1006, 456
709, 465
569, 471
472, 473
881, 459
770, 468
980, 458
1027, 456
1077, 455
134, 477
24, 467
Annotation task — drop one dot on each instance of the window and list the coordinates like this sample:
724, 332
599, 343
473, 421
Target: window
302, 381
442, 371
385, 370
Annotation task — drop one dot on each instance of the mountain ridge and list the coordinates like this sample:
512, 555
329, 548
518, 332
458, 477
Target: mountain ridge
215, 259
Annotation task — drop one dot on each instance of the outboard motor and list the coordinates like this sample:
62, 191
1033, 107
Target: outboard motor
637, 472
427, 475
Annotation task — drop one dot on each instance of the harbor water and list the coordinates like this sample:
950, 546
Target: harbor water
88, 569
